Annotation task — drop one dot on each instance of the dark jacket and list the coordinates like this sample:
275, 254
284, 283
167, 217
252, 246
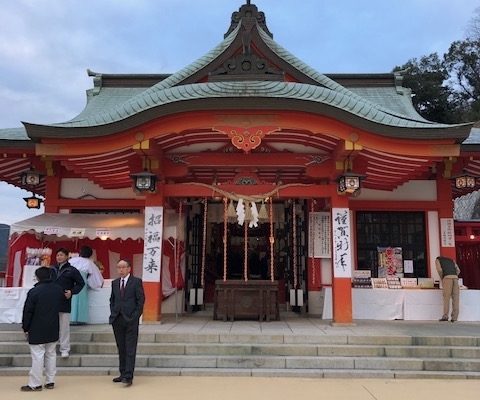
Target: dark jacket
40, 312
69, 278
131, 304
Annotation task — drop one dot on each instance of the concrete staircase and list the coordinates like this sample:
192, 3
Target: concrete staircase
266, 354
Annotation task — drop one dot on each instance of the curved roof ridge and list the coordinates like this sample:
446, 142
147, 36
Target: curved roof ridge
196, 65
321, 78
269, 89
149, 97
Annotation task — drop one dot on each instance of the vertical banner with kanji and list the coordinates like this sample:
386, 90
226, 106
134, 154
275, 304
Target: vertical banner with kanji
152, 248
342, 255
321, 236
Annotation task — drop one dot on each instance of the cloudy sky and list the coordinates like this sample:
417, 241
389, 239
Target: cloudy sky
46, 46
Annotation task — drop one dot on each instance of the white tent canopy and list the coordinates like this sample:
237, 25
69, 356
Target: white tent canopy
92, 226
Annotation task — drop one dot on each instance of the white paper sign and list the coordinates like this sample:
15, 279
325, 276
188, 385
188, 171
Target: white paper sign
408, 266
102, 232
447, 232
9, 294
321, 235
76, 232
51, 230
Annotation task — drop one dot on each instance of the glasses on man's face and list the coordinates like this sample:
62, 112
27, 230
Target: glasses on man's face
123, 267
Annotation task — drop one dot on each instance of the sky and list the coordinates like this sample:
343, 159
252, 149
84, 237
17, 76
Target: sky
46, 46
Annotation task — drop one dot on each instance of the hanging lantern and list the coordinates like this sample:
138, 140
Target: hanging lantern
349, 182
31, 177
464, 180
144, 181
33, 201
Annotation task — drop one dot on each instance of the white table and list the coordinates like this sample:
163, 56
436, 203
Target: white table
12, 300
406, 304
379, 304
11, 304
428, 305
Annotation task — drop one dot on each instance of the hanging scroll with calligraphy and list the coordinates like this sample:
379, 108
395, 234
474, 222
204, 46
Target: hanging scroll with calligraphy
153, 239
342, 255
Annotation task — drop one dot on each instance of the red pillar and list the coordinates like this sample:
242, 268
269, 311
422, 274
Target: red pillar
445, 218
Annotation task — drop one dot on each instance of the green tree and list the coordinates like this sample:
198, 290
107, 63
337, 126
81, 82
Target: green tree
473, 28
430, 96
447, 89
463, 65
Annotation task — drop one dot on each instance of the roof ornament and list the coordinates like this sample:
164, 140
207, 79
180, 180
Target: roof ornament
248, 13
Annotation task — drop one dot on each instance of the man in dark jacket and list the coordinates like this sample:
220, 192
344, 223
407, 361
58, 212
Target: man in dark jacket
70, 279
126, 307
40, 323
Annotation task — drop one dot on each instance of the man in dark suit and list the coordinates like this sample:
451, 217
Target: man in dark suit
126, 307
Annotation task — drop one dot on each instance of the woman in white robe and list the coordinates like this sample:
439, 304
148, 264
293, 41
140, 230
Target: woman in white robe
93, 279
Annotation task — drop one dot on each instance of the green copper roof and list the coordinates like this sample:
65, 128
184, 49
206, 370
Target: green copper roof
389, 107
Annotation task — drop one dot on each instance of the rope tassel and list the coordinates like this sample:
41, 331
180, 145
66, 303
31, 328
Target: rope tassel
231, 213
263, 213
248, 212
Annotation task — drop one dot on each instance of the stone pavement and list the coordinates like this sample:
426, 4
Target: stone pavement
241, 388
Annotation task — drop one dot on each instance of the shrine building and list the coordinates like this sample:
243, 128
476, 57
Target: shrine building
247, 171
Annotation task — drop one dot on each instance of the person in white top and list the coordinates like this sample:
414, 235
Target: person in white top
94, 280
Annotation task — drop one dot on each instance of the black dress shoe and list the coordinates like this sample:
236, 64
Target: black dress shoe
127, 382
443, 319
118, 379
50, 385
30, 388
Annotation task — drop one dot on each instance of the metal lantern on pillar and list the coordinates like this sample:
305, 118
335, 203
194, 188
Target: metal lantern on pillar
464, 180
348, 182
31, 177
144, 181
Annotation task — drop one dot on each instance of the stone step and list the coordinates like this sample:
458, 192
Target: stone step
260, 362
264, 350
263, 354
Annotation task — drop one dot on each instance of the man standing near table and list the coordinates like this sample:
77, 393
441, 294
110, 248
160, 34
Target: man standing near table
449, 271
126, 307
71, 281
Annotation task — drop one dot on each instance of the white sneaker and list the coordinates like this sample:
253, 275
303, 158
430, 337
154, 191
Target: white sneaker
65, 354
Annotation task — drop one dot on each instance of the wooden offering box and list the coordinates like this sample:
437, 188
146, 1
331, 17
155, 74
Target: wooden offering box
254, 299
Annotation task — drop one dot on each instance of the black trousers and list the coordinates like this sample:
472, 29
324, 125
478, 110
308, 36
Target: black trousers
126, 337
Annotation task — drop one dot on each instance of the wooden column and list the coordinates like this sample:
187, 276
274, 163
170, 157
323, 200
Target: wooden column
342, 256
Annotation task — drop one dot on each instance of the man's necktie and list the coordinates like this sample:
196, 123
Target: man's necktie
122, 287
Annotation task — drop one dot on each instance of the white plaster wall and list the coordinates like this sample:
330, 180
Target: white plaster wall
78, 188
413, 190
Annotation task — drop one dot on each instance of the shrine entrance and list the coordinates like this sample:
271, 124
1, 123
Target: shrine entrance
219, 247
